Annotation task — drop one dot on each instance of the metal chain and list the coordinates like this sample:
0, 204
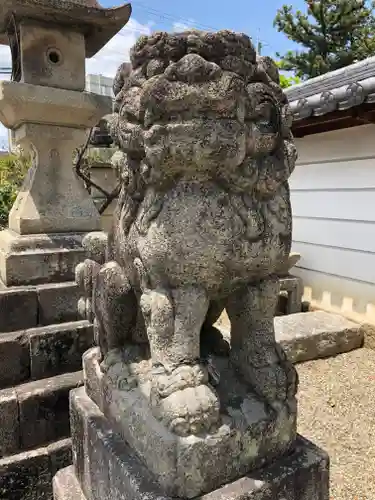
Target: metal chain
89, 184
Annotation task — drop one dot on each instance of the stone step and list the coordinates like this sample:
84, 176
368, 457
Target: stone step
40, 305
29, 475
316, 334
36, 413
43, 352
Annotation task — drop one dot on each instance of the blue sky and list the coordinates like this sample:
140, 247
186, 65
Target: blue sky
253, 17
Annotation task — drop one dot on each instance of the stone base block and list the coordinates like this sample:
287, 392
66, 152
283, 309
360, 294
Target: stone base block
28, 475
58, 302
116, 474
42, 352
35, 413
12, 301
39, 258
293, 286
40, 305
249, 435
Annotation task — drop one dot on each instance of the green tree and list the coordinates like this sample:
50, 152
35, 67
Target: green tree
333, 34
12, 172
287, 81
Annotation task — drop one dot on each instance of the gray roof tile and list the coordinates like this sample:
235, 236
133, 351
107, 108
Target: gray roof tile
338, 90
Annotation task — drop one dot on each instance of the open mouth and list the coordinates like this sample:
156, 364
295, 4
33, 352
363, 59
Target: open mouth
196, 144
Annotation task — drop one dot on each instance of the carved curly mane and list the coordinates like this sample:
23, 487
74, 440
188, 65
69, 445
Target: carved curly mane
165, 99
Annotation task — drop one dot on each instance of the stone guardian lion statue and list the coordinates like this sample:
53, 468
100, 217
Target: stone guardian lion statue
202, 224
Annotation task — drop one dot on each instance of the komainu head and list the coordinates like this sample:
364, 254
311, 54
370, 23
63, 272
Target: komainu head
203, 106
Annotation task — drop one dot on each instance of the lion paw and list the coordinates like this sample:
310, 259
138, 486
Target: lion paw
180, 378
184, 401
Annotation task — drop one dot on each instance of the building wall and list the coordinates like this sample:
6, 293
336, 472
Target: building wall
99, 84
333, 200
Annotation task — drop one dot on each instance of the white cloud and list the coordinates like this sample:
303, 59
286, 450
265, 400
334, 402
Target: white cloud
178, 26
117, 50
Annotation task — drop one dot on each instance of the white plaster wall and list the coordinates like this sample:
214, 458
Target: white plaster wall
333, 200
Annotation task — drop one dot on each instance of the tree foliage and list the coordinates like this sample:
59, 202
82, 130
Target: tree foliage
287, 81
12, 172
333, 34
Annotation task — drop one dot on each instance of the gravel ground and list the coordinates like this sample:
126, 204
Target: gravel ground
337, 412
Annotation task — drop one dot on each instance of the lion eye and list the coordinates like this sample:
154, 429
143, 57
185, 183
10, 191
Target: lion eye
268, 121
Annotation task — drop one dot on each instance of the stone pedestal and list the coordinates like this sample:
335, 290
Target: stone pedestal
121, 451
303, 475
107, 468
52, 210
293, 287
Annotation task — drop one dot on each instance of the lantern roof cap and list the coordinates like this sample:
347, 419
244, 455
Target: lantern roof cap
96, 23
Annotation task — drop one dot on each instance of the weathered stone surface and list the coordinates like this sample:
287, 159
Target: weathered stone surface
80, 408
98, 24
28, 475
302, 475
14, 300
103, 175
43, 352
95, 244
203, 221
9, 423
93, 376
44, 409
57, 302
68, 72
369, 336
56, 349
293, 259
60, 454
98, 461
248, 438
14, 358
22, 103
317, 334
39, 259
66, 486
293, 286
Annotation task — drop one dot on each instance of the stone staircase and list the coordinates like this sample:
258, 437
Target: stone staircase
41, 345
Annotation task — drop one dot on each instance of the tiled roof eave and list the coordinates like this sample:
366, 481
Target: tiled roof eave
339, 99
338, 90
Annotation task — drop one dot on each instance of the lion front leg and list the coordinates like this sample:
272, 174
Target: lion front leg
254, 351
180, 396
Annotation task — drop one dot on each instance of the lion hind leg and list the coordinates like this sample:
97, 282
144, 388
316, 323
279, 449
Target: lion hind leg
114, 306
254, 350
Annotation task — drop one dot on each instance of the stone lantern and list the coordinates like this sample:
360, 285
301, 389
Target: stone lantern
46, 107
41, 337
